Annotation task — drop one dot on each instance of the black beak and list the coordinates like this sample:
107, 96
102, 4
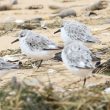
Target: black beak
44, 28
15, 41
59, 30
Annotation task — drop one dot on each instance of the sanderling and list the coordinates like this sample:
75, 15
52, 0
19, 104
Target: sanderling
36, 46
74, 30
77, 58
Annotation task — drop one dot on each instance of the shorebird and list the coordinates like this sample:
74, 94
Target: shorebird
77, 58
74, 30
36, 46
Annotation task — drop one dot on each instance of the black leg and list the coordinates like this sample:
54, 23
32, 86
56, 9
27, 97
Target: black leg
84, 82
40, 63
94, 75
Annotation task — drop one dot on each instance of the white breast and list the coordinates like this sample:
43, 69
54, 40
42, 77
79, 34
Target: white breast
24, 47
64, 36
82, 73
65, 61
75, 70
35, 54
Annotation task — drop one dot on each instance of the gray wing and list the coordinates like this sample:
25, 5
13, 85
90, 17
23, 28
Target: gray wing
79, 31
36, 41
78, 56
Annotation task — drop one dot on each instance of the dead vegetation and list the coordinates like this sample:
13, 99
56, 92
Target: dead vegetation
19, 96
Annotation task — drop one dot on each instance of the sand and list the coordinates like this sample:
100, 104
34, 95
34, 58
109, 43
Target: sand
59, 75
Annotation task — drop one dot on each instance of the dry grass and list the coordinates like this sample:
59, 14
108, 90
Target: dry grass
20, 97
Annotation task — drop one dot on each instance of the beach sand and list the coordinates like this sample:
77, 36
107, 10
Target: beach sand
57, 72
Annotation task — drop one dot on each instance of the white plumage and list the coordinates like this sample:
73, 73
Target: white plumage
75, 55
74, 30
77, 58
33, 45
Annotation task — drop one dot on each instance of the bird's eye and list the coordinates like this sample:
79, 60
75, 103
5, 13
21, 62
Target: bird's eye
61, 25
22, 35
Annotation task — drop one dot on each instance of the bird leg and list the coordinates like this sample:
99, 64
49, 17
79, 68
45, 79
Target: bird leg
84, 82
33, 64
40, 64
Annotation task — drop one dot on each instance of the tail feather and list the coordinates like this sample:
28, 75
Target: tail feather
93, 39
57, 57
58, 48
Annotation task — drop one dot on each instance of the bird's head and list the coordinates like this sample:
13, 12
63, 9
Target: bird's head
21, 35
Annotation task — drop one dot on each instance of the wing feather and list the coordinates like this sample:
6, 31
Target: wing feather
36, 41
78, 55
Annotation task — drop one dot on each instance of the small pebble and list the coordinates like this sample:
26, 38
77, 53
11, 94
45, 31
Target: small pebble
19, 21
12, 93
91, 85
107, 90
31, 82
98, 5
35, 7
51, 71
91, 14
55, 7
67, 12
